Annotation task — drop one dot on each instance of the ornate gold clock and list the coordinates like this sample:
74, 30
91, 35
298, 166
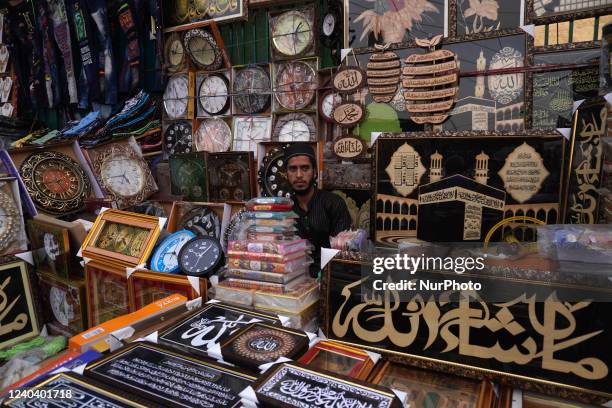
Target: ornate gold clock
10, 220
56, 182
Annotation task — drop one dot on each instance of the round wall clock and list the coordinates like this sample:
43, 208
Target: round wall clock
331, 25
327, 103
292, 33
203, 49
295, 127
250, 130
178, 138
174, 53
214, 94
201, 256
10, 220
296, 82
61, 306
252, 90
165, 257
214, 136
203, 221
56, 182
272, 175
176, 96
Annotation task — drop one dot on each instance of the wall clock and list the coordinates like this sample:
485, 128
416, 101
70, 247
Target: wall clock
176, 96
153, 208
213, 135
327, 103
295, 85
252, 90
203, 49
174, 53
165, 257
123, 175
213, 94
229, 176
295, 127
10, 220
248, 131
272, 175
177, 138
331, 25
188, 176
203, 221
201, 256
56, 182
292, 32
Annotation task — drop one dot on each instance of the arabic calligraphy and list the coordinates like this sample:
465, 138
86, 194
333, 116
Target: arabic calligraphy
555, 327
20, 320
348, 114
206, 332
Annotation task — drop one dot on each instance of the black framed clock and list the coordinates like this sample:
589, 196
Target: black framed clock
272, 174
327, 102
203, 49
202, 221
174, 53
214, 94
251, 90
229, 176
178, 138
56, 182
331, 25
188, 176
295, 127
201, 256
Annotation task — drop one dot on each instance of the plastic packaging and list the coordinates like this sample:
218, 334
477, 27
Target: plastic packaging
576, 243
270, 215
255, 256
267, 287
288, 222
279, 248
269, 200
262, 276
271, 229
270, 237
303, 318
233, 295
293, 302
298, 265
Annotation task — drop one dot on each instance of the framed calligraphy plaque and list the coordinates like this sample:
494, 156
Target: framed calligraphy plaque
349, 147
292, 385
585, 163
209, 326
81, 393
349, 114
348, 80
262, 343
168, 379
547, 334
18, 320
338, 358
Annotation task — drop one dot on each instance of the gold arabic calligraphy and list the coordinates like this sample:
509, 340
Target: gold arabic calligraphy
379, 310
22, 318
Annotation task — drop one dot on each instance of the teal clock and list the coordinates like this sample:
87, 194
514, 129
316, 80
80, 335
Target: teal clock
188, 176
165, 257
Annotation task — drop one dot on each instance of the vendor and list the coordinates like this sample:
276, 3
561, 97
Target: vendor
322, 214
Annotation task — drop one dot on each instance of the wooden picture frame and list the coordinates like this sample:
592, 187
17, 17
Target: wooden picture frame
18, 312
107, 293
114, 227
64, 304
205, 19
338, 358
535, 14
145, 287
50, 247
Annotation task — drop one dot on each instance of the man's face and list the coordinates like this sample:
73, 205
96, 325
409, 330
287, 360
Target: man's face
300, 173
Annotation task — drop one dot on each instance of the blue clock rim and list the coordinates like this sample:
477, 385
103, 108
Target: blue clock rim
162, 246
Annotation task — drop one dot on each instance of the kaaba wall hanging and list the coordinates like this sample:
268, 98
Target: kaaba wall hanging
383, 74
451, 187
430, 83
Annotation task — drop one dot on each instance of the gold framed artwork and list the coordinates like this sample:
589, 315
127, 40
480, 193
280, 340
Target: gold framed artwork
121, 238
107, 293
148, 286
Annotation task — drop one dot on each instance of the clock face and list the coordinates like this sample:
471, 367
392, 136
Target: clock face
176, 96
273, 175
252, 90
55, 182
296, 83
250, 131
214, 94
295, 127
329, 24
187, 177
200, 256
174, 52
203, 49
122, 175
178, 138
214, 136
229, 177
328, 102
10, 219
61, 308
292, 33
165, 257
202, 221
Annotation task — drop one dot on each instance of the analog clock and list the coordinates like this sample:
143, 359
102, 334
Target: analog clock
330, 25
201, 256
248, 131
203, 221
272, 175
295, 127
229, 176
60, 306
10, 220
188, 176
296, 83
252, 90
203, 49
174, 53
327, 103
165, 257
214, 136
292, 33
176, 96
177, 138
56, 183
214, 94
